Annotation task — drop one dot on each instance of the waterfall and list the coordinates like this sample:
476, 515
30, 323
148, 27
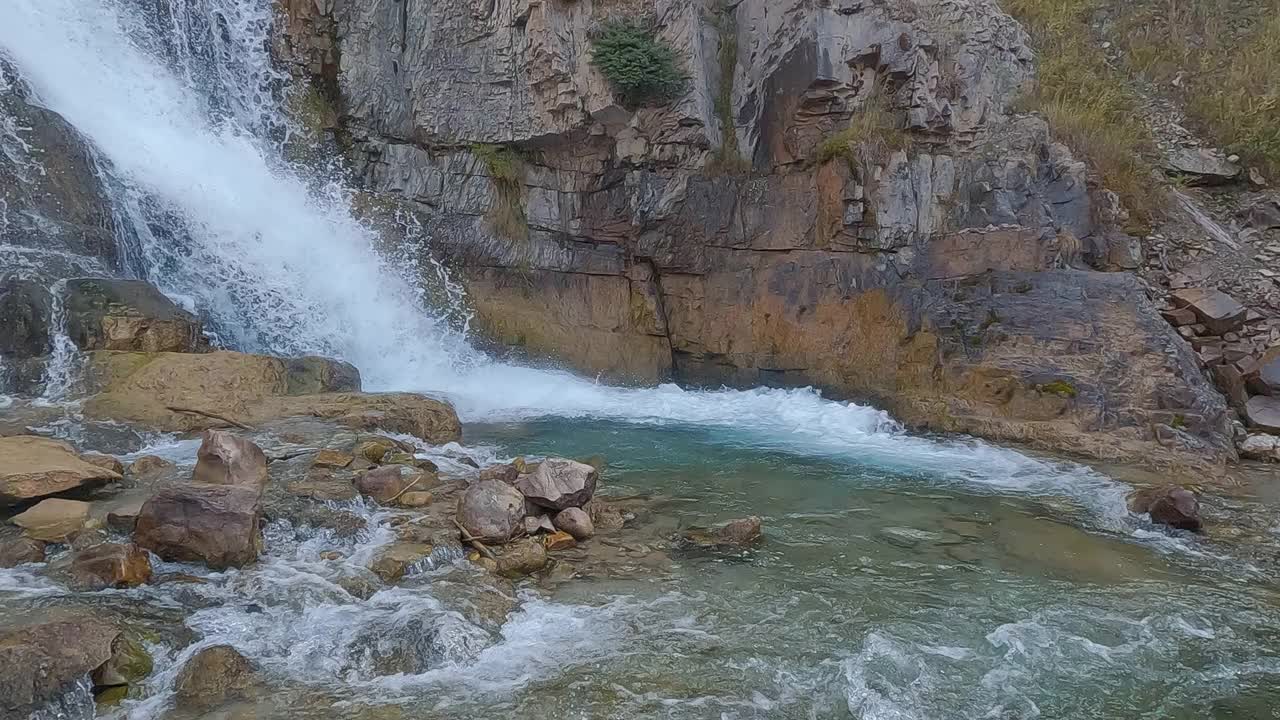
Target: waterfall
180, 100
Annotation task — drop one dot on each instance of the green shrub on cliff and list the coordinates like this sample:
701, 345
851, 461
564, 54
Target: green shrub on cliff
505, 167
640, 67
872, 134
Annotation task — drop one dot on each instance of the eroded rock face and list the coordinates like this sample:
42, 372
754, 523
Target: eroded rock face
113, 314
492, 511
945, 281
218, 525
227, 459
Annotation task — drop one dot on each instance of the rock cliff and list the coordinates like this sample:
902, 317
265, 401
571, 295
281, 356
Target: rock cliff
951, 264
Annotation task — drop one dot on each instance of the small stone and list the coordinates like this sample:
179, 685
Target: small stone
559, 540
332, 459
1170, 505
389, 481
375, 450
331, 555
392, 563
1179, 317
576, 522
1256, 177
415, 499
53, 519
604, 517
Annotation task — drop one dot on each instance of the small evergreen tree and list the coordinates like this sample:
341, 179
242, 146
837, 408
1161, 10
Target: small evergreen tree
640, 67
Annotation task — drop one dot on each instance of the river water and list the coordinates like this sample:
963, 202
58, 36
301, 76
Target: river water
902, 577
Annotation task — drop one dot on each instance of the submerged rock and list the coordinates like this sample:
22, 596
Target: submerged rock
734, 535
521, 558
226, 459
110, 565
1170, 505
115, 314
35, 467
213, 676
392, 563
492, 511
53, 520
219, 525
558, 484
576, 522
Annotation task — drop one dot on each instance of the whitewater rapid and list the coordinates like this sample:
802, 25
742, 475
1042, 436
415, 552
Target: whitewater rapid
188, 131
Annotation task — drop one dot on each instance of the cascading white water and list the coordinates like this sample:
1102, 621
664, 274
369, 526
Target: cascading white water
185, 110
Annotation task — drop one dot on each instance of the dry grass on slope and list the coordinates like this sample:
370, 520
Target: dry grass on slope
1087, 105
1220, 58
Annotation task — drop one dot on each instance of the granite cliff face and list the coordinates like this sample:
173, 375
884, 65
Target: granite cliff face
963, 276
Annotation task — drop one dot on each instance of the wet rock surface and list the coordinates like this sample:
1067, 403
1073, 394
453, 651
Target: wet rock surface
40, 662
110, 314
225, 459
110, 565
218, 525
213, 676
35, 467
1171, 505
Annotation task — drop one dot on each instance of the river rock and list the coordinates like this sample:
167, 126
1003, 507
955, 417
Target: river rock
558, 484
53, 520
20, 551
559, 540
506, 472
391, 564
376, 450
1170, 505
1206, 166
34, 467
576, 522
115, 314
106, 462
110, 565
534, 524
253, 389
385, 483
1263, 412
521, 558
130, 663
492, 511
1258, 446
149, 467
219, 525
415, 499
733, 535
332, 459
604, 516
213, 676
227, 459
42, 661
123, 517
1219, 312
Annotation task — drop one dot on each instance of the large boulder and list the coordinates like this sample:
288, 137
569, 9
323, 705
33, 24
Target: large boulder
557, 484
53, 519
227, 459
110, 565
213, 676
1169, 505
114, 314
218, 525
146, 388
34, 467
40, 662
492, 511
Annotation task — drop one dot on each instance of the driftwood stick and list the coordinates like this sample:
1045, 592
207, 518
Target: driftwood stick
215, 416
479, 546
406, 489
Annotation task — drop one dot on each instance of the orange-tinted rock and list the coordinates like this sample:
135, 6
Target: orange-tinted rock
34, 467
559, 540
110, 565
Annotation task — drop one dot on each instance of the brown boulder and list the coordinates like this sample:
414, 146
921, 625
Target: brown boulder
20, 551
522, 558
113, 314
1169, 505
558, 484
387, 483
53, 520
226, 459
34, 467
576, 522
219, 525
110, 565
492, 511
213, 676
